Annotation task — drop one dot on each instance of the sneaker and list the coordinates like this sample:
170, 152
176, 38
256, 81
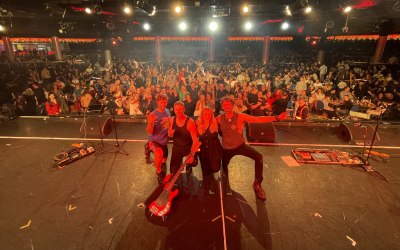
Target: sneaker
259, 191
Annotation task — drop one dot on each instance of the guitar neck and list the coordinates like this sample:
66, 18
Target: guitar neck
171, 183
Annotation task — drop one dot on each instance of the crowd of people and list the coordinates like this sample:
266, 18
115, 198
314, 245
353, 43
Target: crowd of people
129, 87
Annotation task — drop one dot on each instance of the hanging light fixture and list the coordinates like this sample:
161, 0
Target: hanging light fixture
146, 7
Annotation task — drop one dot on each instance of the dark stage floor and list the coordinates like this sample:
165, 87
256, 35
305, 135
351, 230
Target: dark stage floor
98, 202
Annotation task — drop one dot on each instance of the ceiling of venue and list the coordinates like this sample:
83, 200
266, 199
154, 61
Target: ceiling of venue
67, 18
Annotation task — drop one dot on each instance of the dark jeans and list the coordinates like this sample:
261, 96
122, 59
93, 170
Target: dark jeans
247, 151
178, 153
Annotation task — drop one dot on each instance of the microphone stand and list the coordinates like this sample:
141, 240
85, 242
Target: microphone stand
118, 145
102, 145
366, 165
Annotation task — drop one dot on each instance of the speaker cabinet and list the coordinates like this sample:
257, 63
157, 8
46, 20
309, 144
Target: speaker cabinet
260, 132
95, 125
355, 132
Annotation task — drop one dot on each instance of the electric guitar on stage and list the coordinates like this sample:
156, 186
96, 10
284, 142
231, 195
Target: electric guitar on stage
162, 205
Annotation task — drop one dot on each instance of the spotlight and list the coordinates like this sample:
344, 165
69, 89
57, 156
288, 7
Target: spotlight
248, 26
146, 26
60, 31
127, 9
88, 10
347, 9
2, 28
287, 11
285, 25
308, 9
245, 9
183, 26
178, 9
213, 26
147, 8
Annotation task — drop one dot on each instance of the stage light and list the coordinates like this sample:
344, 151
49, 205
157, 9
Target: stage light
347, 9
127, 9
147, 8
88, 10
248, 26
287, 11
2, 28
60, 31
308, 9
183, 26
146, 26
245, 9
178, 9
285, 25
213, 26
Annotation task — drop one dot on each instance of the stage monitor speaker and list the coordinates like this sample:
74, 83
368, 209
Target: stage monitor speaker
260, 132
95, 125
354, 133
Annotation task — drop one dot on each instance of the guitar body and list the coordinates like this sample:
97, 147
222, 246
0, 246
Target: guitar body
162, 205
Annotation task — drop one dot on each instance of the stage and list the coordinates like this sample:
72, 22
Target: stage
98, 202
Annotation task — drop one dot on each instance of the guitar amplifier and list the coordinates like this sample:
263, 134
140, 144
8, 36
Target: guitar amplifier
354, 133
94, 125
260, 132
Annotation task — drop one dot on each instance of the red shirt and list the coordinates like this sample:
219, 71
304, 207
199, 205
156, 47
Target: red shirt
53, 109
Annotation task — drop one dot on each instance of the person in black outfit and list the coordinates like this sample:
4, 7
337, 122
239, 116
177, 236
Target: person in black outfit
281, 104
345, 107
190, 106
183, 131
210, 150
40, 98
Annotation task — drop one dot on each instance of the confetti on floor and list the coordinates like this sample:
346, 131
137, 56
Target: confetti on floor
27, 225
70, 208
353, 242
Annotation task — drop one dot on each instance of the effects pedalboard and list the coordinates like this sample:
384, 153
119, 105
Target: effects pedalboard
325, 156
74, 152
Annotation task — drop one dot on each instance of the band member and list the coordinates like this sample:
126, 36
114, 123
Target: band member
157, 128
233, 143
183, 131
210, 149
